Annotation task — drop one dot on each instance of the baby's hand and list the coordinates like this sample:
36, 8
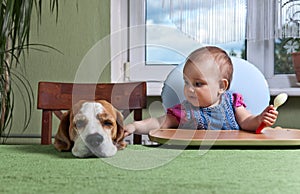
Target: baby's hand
129, 129
269, 116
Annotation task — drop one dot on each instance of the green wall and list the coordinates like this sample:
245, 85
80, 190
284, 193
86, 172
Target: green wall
81, 25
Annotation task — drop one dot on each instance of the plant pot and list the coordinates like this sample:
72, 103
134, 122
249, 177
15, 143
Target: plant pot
296, 63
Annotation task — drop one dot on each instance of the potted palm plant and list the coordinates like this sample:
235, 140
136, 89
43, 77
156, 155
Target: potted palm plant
14, 39
296, 64
292, 49
290, 32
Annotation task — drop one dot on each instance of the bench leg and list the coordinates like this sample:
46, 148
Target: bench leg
46, 138
137, 115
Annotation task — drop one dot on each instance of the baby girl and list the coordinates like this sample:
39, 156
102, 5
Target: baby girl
209, 104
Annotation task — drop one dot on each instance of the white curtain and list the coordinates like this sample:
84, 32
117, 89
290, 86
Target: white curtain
288, 18
271, 19
222, 21
209, 21
261, 20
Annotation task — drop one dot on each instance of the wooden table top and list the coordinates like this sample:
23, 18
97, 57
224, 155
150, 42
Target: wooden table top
269, 136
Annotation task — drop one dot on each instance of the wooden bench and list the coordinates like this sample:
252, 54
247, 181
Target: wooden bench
54, 97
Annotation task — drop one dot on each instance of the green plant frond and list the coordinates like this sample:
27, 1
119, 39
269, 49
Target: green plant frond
54, 7
31, 46
26, 92
15, 23
38, 6
9, 118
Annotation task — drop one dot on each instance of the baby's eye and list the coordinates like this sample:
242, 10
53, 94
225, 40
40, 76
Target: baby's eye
198, 84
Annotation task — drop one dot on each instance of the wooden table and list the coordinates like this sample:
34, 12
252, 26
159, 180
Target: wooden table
268, 137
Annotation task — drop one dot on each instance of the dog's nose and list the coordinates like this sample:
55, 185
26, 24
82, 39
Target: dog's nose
94, 140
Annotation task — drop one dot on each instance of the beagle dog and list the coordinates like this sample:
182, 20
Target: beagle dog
91, 128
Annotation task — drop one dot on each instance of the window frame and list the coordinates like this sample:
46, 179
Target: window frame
260, 53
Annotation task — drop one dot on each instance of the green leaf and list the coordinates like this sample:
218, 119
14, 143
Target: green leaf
15, 23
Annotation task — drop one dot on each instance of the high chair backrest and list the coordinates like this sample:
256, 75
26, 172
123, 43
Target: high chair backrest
247, 80
53, 97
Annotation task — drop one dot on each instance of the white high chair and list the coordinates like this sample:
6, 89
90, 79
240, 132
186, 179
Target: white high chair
247, 80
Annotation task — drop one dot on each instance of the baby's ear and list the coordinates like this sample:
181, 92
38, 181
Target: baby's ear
223, 85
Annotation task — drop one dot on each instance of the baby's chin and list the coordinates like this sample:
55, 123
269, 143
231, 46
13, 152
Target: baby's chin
196, 103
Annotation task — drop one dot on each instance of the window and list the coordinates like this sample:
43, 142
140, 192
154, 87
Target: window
288, 28
144, 65
182, 26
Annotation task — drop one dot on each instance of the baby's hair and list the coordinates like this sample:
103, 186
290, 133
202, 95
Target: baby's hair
219, 56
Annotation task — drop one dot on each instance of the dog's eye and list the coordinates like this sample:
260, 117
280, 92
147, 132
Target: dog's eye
107, 123
80, 123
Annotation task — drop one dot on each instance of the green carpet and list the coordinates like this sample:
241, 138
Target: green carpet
41, 169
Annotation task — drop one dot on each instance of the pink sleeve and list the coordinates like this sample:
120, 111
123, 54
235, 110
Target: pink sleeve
238, 100
177, 111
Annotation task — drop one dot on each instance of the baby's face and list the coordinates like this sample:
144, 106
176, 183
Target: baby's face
202, 83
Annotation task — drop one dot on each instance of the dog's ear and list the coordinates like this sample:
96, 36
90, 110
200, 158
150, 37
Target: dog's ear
62, 140
119, 140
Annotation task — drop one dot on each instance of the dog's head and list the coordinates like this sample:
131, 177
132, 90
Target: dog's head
91, 128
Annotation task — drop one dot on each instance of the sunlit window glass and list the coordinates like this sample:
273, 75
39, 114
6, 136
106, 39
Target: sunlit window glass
174, 30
